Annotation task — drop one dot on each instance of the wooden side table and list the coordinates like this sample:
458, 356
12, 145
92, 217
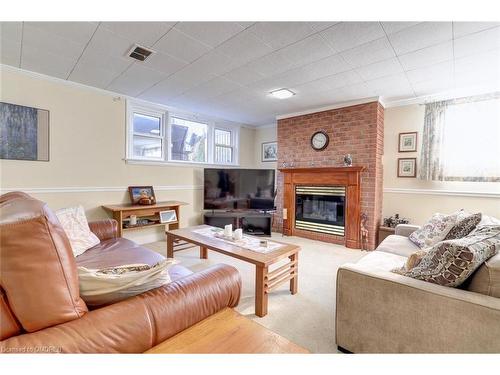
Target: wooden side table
383, 232
227, 332
122, 212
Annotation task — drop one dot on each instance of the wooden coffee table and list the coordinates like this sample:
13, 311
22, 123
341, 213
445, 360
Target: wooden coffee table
226, 332
265, 279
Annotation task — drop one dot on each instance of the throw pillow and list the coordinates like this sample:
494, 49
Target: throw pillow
450, 263
76, 226
109, 285
434, 231
463, 227
413, 260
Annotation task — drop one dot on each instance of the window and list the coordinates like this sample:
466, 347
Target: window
223, 147
188, 140
471, 141
154, 134
147, 138
461, 140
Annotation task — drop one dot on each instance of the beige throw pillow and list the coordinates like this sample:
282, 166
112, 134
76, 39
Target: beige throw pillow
74, 223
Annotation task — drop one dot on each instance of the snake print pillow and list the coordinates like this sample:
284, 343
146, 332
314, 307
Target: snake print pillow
450, 263
434, 231
463, 227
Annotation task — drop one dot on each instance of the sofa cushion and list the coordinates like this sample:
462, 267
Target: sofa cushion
381, 261
486, 279
38, 271
120, 251
450, 263
434, 231
399, 245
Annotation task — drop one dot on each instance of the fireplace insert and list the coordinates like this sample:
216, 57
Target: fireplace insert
320, 209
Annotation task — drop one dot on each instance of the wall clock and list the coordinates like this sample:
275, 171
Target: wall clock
319, 140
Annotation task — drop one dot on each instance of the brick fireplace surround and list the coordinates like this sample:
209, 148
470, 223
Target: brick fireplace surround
357, 130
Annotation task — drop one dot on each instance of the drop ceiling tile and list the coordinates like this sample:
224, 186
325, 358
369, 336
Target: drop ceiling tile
143, 33
210, 33
271, 64
369, 53
214, 63
244, 75
281, 34
93, 75
78, 32
357, 91
325, 67
464, 28
113, 63
10, 43
33, 37
380, 69
422, 35
105, 42
244, 47
433, 86
319, 26
181, 46
427, 56
389, 86
42, 61
394, 27
135, 80
308, 50
432, 72
245, 25
478, 42
164, 63
335, 81
346, 35
484, 62
212, 88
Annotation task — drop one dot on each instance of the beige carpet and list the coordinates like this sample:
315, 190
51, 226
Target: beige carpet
306, 318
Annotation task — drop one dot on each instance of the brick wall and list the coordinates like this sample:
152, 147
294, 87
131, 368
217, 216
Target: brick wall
357, 130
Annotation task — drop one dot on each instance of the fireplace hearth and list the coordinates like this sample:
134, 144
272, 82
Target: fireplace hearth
320, 209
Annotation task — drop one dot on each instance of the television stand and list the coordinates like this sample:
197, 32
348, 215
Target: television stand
252, 222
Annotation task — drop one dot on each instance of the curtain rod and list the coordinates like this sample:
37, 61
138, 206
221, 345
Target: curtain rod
467, 99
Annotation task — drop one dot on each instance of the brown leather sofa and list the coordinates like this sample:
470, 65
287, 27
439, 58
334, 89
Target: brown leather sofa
40, 306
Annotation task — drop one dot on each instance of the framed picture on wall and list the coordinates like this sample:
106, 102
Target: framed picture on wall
270, 151
407, 142
24, 132
407, 167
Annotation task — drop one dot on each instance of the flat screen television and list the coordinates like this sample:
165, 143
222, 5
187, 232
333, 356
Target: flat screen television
238, 189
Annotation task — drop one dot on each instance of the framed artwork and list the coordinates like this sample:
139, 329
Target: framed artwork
168, 216
24, 133
407, 167
142, 194
407, 142
270, 151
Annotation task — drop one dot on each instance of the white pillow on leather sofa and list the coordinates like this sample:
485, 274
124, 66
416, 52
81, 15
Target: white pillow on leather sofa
76, 226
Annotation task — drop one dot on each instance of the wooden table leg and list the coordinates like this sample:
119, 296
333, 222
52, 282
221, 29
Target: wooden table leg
295, 270
203, 252
170, 246
260, 291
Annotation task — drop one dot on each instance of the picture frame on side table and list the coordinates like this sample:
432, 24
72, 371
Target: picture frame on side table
408, 142
407, 167
168, 216
269, 151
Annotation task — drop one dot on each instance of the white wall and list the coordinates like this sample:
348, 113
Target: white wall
87, 147
413, 199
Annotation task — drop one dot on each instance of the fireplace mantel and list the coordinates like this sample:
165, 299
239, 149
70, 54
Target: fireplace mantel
350, 177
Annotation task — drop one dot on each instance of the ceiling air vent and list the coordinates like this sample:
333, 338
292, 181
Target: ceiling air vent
140, 53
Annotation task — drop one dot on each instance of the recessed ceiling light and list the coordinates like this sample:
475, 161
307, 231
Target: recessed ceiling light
282, 93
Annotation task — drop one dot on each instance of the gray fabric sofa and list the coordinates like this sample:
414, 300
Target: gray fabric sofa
378, 311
